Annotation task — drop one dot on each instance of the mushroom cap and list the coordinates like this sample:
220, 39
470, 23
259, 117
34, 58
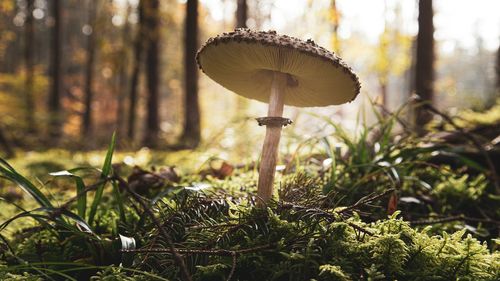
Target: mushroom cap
243, 61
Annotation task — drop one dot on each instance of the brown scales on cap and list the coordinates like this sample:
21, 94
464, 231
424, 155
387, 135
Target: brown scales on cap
271, 38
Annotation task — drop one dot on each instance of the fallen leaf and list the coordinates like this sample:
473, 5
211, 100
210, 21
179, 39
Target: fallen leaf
392, 206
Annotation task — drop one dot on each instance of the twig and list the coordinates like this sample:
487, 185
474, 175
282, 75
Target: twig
472, 139
194, 227
386, 111
87, 189
233, 267
219, 252
451, 219
366, 200
177, 258
216, 252
328, 215
359, 228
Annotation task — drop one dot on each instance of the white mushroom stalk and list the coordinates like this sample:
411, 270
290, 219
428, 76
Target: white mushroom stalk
279, 70
271, 142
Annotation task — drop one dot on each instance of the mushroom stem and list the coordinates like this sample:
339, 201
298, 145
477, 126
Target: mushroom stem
271, 142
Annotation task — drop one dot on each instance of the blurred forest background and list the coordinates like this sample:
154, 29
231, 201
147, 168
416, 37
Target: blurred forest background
73, 71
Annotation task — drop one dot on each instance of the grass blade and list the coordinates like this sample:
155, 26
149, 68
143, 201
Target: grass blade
54, 215
81, 203
8, 172
118, 196
25, 214
106, 170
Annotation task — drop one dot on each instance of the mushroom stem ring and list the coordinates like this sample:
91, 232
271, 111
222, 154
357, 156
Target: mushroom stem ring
274, 121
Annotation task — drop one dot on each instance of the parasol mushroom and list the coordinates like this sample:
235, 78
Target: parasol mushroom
279, 70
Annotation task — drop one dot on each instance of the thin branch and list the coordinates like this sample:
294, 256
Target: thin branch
366, 200
471, 138
219, 252
386, 111
84, 192
216, 252
195, 227
233, 267
328, 215
451, 219
359, 228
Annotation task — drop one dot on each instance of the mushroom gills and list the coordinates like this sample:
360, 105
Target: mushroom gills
292, 81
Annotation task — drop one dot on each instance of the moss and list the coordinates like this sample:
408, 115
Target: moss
112, 273
39, 246
5, 275
328, 272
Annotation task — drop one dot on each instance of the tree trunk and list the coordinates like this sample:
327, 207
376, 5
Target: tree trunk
191, 135
89, 77
136, 68
384, 62
122, 76
241, 14
424, 72
241, 22
54, 103
152, 18
498, 73
335, 16
28, 55
6, 145
383, 95
335, 27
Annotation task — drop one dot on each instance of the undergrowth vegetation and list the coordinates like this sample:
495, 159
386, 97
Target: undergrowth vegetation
383, 205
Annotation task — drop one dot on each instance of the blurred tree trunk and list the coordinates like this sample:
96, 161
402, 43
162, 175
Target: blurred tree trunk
6, 145
335, 17
54, 103
89, 77
123, 61
241, 22
28, 56
383, 61
136, 68
191, 135
424, 69
383, 94
498, 73
152, 22
241, 14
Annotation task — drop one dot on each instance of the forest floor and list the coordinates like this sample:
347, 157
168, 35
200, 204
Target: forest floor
377, 206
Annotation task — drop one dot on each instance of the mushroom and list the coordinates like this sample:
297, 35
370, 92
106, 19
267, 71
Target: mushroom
276, 69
